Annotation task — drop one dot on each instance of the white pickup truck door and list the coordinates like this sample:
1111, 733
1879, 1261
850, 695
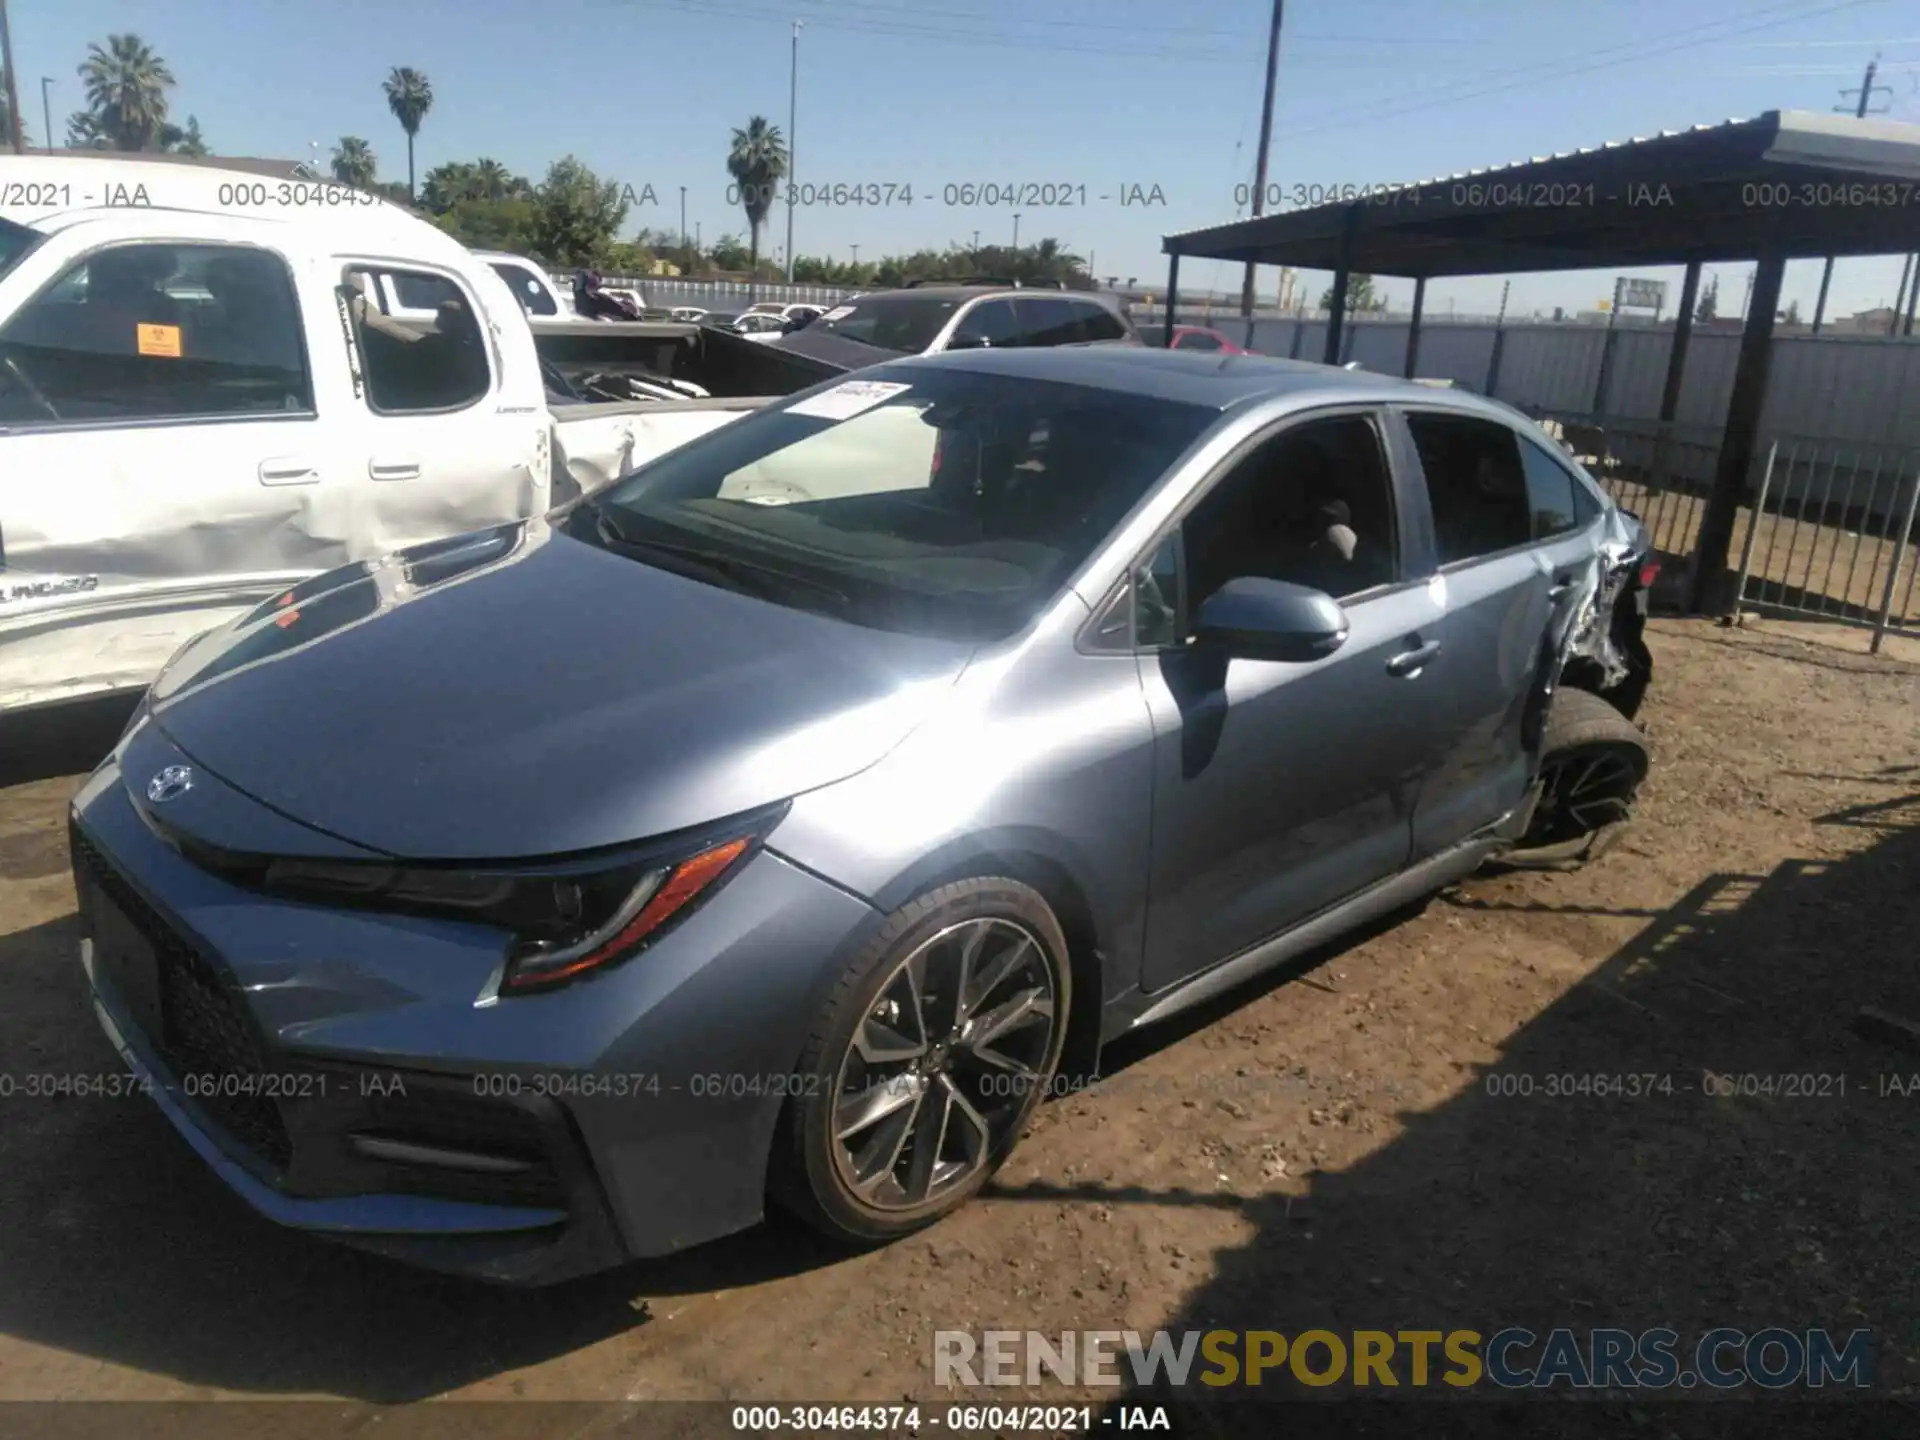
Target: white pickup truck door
446, 421
160, 449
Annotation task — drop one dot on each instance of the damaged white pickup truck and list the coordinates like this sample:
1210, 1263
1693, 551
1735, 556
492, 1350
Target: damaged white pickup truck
204, 399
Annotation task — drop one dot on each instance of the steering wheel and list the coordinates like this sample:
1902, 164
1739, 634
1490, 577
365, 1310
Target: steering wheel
12, 367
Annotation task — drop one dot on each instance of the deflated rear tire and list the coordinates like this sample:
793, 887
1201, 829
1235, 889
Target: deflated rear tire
926, 1063
1593, 760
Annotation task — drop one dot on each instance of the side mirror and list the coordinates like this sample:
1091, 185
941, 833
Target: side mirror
1255, 618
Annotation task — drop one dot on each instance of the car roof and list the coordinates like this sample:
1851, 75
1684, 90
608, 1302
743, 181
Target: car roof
1196, 377
974, 292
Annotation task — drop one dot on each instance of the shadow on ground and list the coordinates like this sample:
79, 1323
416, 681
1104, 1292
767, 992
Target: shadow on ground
1799, 1208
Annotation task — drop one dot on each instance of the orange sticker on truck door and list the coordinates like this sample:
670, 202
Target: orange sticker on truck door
159, 340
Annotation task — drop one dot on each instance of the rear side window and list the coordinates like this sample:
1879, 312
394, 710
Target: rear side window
1197, 340
1050, 322
1559, 503
1099, 323
534, 297
158, 332
408, 367
1476, 484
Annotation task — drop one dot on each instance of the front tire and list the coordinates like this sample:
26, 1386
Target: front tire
926, 1062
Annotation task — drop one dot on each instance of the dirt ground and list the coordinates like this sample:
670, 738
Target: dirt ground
1334, 1148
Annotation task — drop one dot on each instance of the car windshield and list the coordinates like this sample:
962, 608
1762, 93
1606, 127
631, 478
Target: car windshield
15, 241
933, 501
905, 323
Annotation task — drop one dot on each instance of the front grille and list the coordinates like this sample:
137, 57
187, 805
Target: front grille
205, 1039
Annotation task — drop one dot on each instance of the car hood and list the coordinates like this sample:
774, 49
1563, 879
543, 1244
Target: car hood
518, 692
831, 349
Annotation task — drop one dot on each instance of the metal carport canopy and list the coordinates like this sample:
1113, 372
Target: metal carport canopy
1794, 182
1784, 185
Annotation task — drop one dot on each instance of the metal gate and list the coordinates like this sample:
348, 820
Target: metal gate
1831, 534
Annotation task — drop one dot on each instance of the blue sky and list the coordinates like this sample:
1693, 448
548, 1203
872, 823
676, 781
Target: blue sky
1101, 94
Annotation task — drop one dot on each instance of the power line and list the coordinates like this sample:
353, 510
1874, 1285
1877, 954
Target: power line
865, 26
920, 13
1640, 50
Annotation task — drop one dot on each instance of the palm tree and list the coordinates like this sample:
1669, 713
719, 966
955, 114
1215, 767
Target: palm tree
447, 185
353, 162
409, 97
757, 162
491, 180
127, 86
6, 119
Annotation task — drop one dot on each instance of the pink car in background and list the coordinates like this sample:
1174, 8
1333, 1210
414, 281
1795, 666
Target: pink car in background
1194, 337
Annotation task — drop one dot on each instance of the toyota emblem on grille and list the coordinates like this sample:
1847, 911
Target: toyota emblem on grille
170, 784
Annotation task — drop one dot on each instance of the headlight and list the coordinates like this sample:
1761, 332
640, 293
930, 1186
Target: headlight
567, 919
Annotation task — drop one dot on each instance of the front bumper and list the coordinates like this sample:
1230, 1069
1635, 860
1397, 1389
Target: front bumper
345, 1072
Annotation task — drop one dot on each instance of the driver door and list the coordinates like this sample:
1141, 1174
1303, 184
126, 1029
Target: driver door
1281, 788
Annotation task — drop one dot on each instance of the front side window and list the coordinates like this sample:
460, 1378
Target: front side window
413, 368
158, 332
991, 322
1313, 506
905, 323
940, 502
1476, 483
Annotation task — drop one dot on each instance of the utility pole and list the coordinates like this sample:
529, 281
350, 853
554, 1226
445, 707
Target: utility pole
46, 111
856, 258
683, 221
793, 115
1016, 231
1867, 87
1260, 159
13, 90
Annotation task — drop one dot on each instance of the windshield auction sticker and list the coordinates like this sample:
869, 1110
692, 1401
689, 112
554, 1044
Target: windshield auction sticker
848, 399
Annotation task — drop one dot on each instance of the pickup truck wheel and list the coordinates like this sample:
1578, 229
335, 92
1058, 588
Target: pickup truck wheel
926, 1063
1593, 760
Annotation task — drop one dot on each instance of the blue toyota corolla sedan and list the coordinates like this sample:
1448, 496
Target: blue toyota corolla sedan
786, 819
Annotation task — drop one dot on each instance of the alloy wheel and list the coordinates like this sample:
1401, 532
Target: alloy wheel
1582, 791
940, 1070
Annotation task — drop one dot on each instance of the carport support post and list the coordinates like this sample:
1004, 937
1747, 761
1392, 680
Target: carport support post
1336, 313
1676, 373
1711, 578
1413, 327
1173, 296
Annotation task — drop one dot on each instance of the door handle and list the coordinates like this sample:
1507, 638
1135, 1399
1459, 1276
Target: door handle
286, 470
1561, 588
394, 469
1412, 662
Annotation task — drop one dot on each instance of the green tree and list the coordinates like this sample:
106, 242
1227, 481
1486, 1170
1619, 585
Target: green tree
354, 162
409, 97
729, 253
757, 161
6, 119
493, 181
511, 224
1361, 296
188, 141
86, 131
126, 87
577, 214
1709, 305
447, 185
1792, 317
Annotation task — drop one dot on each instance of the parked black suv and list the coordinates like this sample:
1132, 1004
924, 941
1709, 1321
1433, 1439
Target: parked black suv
926, 319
